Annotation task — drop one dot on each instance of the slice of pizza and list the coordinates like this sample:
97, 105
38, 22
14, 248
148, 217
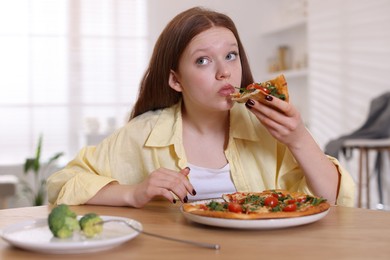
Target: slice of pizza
276, 87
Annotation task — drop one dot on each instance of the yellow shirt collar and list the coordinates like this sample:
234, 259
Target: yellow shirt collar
169, 126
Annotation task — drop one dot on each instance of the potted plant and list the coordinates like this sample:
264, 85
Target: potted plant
37, 189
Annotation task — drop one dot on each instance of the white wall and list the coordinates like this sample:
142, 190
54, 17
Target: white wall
245, 14
349, 47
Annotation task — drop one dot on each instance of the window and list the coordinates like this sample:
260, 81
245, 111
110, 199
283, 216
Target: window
68, 68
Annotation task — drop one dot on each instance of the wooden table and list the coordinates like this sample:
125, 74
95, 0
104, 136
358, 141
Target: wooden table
345, 233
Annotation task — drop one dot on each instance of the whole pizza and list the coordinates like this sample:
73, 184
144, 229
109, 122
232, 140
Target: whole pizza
259, 205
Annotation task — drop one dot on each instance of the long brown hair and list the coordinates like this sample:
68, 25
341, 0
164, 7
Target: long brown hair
155, 92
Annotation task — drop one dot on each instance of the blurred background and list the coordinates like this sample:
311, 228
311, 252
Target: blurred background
70, 69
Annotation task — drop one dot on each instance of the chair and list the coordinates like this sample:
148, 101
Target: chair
365, 146
372, 136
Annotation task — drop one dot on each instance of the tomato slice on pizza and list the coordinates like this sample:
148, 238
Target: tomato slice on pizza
276, 87
260, 205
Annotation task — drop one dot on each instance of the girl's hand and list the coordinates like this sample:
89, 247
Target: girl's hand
282, 119
284, 122
163, 182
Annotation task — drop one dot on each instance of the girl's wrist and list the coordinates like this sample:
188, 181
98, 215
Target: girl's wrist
301, 141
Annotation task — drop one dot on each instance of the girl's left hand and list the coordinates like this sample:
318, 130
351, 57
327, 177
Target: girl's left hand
282, 119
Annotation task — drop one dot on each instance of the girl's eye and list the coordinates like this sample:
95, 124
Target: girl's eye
202, 61
232, 55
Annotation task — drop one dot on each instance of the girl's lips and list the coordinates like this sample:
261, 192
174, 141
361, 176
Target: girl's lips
226, 90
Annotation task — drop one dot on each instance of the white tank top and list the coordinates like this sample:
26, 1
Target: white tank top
210, 183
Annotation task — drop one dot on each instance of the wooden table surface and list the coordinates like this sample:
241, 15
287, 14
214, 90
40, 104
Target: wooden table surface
345, 233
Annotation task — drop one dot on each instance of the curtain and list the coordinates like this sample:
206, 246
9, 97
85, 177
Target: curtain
70, 71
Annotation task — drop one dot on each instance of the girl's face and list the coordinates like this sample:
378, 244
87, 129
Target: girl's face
209, 69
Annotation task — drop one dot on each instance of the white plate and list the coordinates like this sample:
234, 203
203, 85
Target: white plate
255, 223
35, 235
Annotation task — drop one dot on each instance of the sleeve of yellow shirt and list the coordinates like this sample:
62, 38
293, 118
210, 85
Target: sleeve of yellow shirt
346, 194
79, 180
127, 156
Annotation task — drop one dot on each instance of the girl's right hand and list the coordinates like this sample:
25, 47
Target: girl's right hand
163, 182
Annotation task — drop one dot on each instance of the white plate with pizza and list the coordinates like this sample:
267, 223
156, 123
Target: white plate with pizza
271, 209
35, 235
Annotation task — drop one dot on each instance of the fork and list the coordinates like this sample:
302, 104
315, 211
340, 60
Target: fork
190, 242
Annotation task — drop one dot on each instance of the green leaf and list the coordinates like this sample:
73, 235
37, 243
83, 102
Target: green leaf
317, 201
40, 196
29, 165
217, 206
37, 163
55, 157
276, 209
244, 90
36, 191
38, 201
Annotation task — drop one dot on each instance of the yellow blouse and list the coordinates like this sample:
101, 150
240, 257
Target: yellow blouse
154, 139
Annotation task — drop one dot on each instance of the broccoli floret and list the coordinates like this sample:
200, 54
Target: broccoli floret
63, 222
90, 226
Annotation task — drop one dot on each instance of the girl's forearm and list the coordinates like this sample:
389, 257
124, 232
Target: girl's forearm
114, 194
321, 174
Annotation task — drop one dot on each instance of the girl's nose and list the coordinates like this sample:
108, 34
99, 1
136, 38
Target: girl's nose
223, 72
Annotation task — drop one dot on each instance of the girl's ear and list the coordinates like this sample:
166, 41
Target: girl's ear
174, 82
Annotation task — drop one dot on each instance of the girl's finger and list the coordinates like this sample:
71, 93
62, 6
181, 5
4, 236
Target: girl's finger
188, 185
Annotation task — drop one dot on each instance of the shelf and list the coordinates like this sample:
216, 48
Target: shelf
285, 27
288, 29
289, 74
